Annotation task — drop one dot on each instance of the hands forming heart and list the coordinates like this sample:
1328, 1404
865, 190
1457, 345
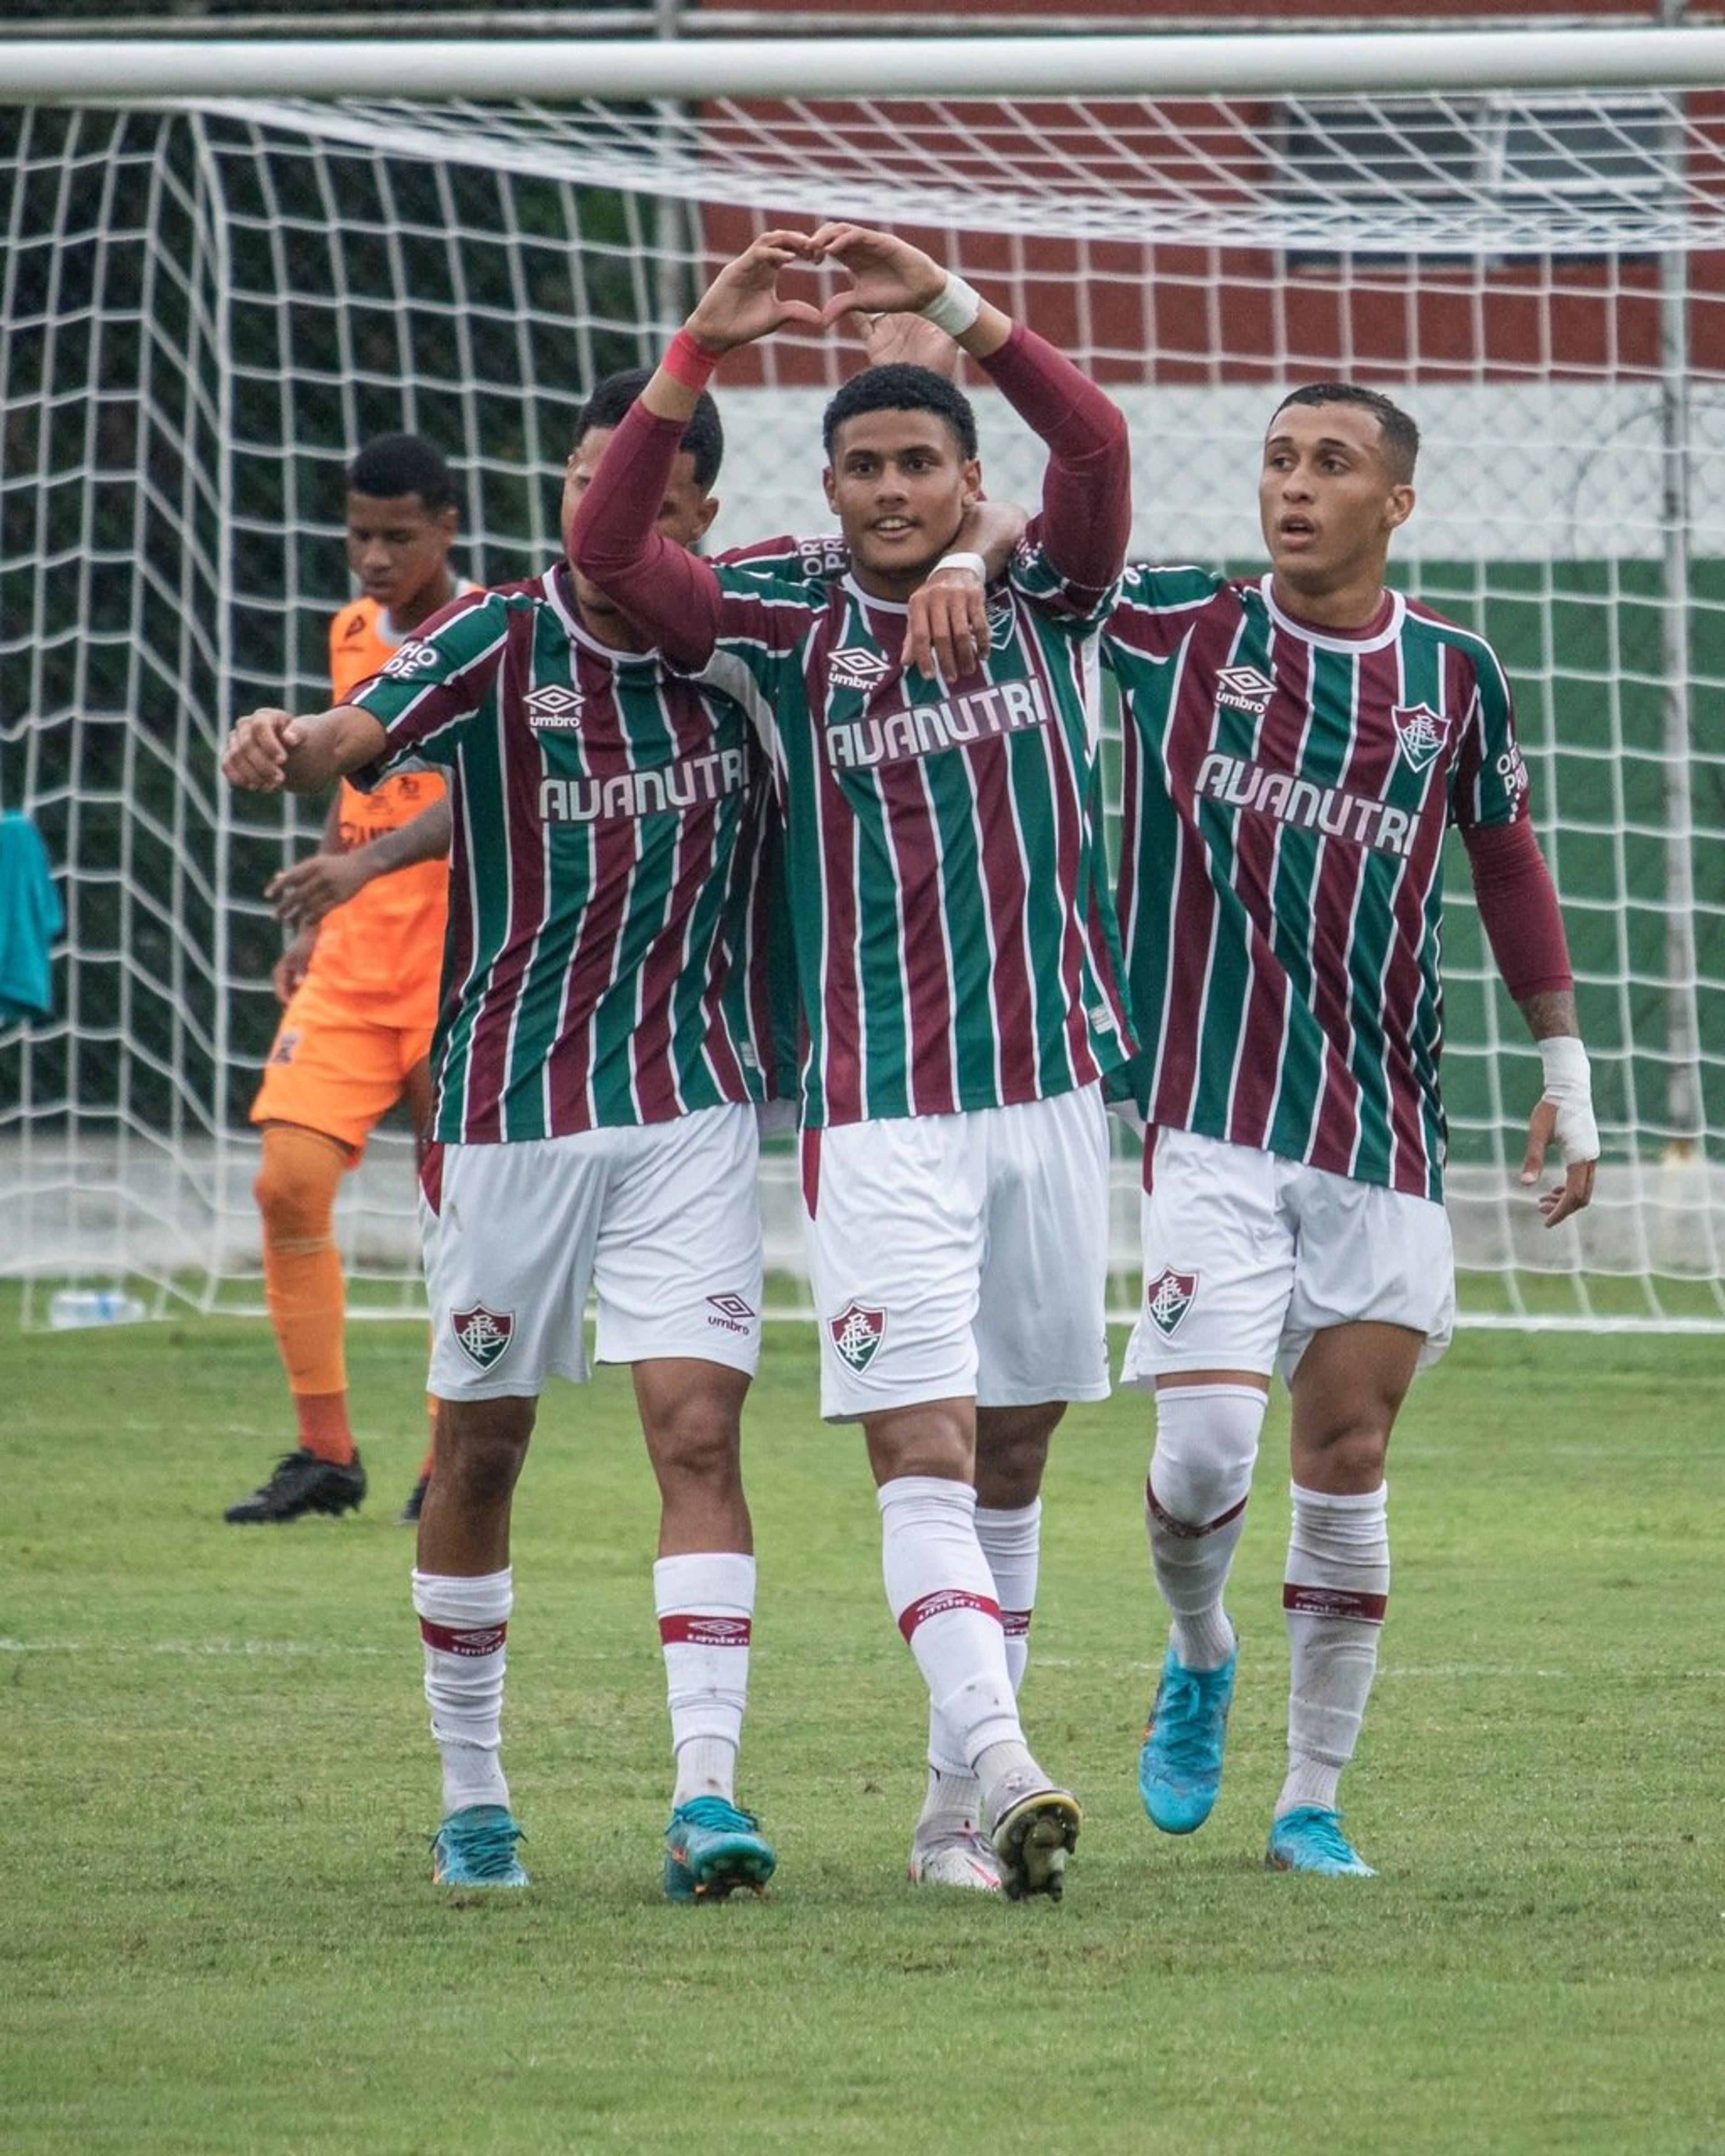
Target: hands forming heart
744, 302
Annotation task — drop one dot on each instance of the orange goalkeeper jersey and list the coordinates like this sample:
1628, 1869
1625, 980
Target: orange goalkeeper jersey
383, 948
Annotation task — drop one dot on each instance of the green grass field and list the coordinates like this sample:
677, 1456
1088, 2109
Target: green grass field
218, 1931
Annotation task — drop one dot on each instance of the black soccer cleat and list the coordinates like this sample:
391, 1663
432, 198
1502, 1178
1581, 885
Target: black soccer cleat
302, 1483
409, 1516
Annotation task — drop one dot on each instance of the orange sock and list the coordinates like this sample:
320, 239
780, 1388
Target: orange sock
295, 1192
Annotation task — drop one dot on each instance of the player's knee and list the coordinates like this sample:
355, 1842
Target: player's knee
698, 1441
1206, 1447
480, 1449
295, 1187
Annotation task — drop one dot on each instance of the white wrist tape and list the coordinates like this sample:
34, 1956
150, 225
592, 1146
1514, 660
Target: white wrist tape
954, 308
973, 563
1569, 1086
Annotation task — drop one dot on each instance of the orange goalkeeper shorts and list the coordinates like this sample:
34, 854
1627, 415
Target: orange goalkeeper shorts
333, 1069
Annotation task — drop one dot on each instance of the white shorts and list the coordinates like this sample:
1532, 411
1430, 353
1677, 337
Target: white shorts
961, 1256
662, 1222
1248, 1255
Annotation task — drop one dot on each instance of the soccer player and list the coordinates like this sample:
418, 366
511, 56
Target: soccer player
596, 1082
1296, 745
958, 996
358, 981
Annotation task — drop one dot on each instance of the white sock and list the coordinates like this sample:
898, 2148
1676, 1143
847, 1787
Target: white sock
941, 1593
1011, 1541
463, 1624
706, 1604
1195, 1508
1334, 1595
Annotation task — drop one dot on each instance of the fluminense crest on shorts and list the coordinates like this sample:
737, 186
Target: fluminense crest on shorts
855, 667
482, 1334
857, 1333
554, 705
1421, 732
1244, 689
1168, 1297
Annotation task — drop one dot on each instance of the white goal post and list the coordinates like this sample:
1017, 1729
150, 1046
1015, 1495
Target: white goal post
227, 264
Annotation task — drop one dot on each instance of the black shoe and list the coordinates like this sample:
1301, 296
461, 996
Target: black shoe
409, 1516
302, 1483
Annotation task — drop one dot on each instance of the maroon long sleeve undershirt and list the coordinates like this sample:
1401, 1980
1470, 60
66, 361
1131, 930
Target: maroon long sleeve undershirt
1086, 489
673, 596
669, 594
1518, 907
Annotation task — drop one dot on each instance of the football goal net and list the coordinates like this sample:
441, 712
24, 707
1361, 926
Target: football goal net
227, 267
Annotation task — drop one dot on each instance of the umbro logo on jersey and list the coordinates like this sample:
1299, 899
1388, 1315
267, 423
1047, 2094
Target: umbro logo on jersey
1168, 1298
857, 1333
482, 1334
554, 705
855, 667
412, 658
1421, 733
1244, 689
999, 623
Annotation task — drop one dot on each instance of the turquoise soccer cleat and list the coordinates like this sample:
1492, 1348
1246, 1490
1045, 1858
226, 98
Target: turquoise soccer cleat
1309, 1839
712, 1848
475, 1847
1180, 1765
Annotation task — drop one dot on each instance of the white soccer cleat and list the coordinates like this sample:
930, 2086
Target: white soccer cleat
1035, 1831
947, 1855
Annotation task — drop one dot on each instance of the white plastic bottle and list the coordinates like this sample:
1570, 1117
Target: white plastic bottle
74, 1307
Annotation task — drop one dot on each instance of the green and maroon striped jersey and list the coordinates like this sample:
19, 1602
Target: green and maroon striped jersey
940, 863
608, 815
1287, 793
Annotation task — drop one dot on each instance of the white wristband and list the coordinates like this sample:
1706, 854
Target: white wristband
972, 563
1569, 1086
954, 308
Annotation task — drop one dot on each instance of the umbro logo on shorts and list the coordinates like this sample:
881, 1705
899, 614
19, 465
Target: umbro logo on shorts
857, 1333
1168, 1297
731, 1313
286, 1043
482, 1334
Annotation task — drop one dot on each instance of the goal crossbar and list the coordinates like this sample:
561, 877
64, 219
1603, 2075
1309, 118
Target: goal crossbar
73, 71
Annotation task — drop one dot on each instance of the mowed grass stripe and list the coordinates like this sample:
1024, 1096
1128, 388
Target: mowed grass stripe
217, 1930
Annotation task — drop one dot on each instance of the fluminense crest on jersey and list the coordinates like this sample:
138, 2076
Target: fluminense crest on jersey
1002, 707
1244, 689
482, 1334
857, 1333
1168, 1298
856, 667
554, 705
412, 658
1421, 733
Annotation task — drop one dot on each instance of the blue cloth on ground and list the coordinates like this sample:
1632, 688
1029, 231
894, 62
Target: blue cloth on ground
30, 918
